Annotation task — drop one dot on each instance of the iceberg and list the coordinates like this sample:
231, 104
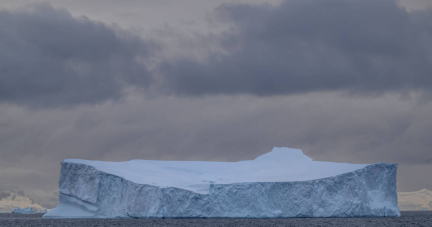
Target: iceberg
27, 210
42, 211
280, 184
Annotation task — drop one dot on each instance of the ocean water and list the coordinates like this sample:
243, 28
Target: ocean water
408, 218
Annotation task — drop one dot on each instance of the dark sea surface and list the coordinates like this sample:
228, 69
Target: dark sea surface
408, 218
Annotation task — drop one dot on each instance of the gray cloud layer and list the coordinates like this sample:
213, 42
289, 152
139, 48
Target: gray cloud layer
325, 126
49, 58
261, 64
302, 46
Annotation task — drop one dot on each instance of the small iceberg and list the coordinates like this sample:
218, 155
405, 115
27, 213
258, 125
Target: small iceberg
27, 210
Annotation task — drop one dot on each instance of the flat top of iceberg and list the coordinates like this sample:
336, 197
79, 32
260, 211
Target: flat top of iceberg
279, 165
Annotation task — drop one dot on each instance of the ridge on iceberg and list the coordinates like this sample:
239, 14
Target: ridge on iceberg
281, 183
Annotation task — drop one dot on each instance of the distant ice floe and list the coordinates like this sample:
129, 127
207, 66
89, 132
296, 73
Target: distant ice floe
27, 210
42, 211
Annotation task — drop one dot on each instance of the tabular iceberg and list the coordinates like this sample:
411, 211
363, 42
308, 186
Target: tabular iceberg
282, 183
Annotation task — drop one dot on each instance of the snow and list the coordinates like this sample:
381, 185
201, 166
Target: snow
416, 200
281, 183
10, 200
279, 165
42, 211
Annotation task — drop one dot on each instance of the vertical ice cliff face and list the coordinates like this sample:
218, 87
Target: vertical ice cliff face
282, 183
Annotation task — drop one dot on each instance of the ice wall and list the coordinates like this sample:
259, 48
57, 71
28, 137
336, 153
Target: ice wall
282, 183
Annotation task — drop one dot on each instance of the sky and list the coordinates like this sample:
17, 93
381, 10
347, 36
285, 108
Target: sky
343, 80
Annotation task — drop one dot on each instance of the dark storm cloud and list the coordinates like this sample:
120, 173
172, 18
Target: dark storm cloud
301, 46
50, 58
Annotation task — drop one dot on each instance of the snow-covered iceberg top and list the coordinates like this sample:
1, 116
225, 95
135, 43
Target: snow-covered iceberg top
279, 165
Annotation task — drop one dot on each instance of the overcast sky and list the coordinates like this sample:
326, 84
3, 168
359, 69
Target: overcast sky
343, 80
